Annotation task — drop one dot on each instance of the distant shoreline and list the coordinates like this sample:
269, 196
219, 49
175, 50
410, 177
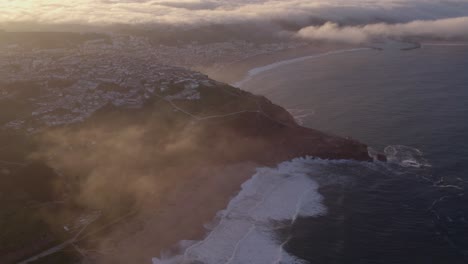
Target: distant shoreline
235, 72
258, 70
239, 72
450, 44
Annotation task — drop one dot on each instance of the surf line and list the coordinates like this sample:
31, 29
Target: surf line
258, 70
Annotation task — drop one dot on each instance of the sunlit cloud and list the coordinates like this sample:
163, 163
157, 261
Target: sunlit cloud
442, 28
224, 11
354, 21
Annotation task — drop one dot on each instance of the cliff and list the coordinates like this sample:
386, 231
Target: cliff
70, 165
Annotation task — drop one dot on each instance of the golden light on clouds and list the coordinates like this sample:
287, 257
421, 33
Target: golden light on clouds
99, 12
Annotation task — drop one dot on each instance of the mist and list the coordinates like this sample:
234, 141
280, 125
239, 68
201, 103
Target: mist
129, 135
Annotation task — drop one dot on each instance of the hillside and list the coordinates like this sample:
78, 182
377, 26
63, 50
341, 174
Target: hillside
79, 161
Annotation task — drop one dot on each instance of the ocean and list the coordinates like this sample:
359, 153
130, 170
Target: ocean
412, 105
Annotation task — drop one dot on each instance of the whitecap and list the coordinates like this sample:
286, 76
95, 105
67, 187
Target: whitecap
301, 115
406, 156
246, 230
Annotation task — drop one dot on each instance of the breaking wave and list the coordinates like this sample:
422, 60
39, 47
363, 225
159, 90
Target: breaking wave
445, 44
406, 156
301, 115
246, 231
252, 227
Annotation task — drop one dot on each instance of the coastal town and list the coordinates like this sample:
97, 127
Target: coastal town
74, 81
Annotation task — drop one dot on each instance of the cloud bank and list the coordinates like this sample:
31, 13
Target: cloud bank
352, 21
450, 28
226, 11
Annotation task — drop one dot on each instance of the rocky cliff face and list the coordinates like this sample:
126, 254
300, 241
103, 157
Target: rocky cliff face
74, 155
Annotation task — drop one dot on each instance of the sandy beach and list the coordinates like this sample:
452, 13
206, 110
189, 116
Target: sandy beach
236, 71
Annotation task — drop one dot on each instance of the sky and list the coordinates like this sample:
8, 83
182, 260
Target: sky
343, 20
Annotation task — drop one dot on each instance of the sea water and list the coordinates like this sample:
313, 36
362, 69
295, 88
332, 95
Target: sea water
411, 105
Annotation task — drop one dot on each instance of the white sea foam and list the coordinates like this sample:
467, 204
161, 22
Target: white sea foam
301, 115
462, 44
272, 198
406, 156
256, 71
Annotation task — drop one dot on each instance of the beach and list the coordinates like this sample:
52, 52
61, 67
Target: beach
234, 72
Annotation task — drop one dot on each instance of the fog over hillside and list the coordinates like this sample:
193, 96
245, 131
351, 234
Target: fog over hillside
349, 21
233, 131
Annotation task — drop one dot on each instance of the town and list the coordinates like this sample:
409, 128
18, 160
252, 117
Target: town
74, 81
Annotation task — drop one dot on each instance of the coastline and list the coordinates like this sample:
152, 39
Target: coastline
182, 215
258, 70
239, 72
235, 72
182, 212
195, 199
263, 68
195, 227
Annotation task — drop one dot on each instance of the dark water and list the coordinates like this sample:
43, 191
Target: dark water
387, 213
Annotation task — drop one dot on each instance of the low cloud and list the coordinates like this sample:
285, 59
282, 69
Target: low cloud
451, 28
198, 5
350, 21
300, 12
